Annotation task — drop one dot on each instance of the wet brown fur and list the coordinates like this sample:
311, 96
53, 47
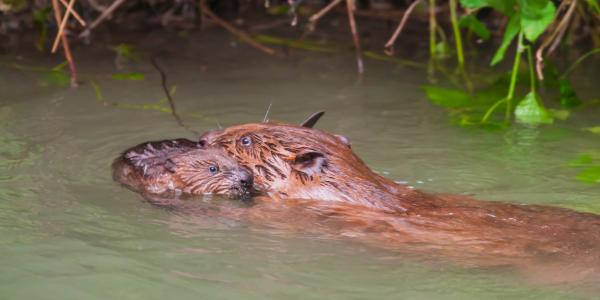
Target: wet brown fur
291, 162
302, 163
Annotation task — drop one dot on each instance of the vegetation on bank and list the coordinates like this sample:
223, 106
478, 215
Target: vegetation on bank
528, 33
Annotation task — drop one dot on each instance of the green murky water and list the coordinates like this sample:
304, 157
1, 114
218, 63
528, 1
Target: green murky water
69, 232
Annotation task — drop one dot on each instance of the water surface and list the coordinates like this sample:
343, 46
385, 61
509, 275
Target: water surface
69, 232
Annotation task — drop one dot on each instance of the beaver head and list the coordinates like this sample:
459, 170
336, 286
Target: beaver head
179, 166
297, 162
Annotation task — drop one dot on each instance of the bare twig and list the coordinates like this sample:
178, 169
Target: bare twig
389, 46
242, 35
563, 27
355, 37
163, 83
63, 24
73, 12
65, 45
556, 35
315, 18
105, 14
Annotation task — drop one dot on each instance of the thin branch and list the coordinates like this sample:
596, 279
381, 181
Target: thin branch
555, 35
389, 46
242, 35
315, 18
163, 83
355, 37
73, 13
65, 45
564, 24
63, 24
105, 14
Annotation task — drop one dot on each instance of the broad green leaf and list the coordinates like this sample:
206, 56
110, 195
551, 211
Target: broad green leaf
594, 130
512, 29
448, 97
442, 49
126, 51
536, 15
531, 111
568, 98
306, 45
278, 10
474, 3
471, 22
561, 114
381, 57
504, 6
55, 78
582, 160
590, 175
40, 16
129, 76
593, 4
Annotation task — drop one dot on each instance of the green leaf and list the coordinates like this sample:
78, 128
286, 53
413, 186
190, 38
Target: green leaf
442, 49
594, 130
590, 175
127, 51
561, 114
593, 4
55, 78
504, 6
129, 76
471, 22
305, 45
381, 57
582, 160
278, 10
40, 16
447, 97
531, 111
568, 98
536, 16
512, 29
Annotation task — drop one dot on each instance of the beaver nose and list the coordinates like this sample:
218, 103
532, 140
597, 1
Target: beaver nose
246, 178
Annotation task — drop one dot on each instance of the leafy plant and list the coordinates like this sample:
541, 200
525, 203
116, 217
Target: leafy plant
590, 163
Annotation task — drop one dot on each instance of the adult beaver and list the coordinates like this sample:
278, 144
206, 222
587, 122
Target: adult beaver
180, 166
295, 162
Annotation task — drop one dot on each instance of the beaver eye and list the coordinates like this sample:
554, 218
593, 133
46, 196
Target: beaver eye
213, 169
246, 141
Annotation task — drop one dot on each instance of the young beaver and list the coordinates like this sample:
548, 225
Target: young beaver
180, 166
297, 162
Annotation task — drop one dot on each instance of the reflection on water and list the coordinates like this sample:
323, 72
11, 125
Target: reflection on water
69, 232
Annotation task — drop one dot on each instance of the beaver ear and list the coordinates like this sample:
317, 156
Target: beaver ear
343, 139
310, 162
312, 119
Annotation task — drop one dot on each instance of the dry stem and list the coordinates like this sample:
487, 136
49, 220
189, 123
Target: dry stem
389, 46
355, 37
555, 36
63, 24
73, 12
65, 45
105, 14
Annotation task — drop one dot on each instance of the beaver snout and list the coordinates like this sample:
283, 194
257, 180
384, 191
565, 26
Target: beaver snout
246, 179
